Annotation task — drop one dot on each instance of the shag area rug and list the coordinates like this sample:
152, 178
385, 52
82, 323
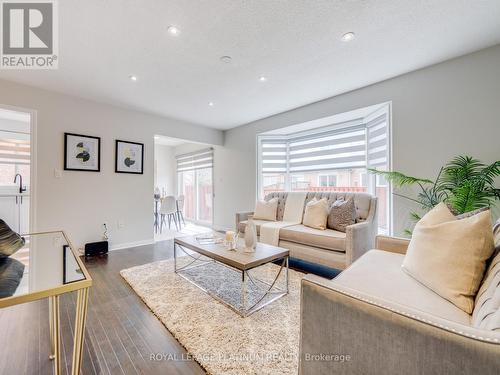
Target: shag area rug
222, 342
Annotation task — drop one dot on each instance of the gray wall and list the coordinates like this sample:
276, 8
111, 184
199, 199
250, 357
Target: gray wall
438, 112
80, 202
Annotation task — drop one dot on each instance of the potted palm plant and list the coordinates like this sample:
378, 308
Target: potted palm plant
464, 184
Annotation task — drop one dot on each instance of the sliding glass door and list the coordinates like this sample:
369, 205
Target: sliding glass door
195, 182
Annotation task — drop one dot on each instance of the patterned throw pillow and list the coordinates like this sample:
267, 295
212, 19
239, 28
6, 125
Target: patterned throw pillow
465, 214
10, 241
342, 214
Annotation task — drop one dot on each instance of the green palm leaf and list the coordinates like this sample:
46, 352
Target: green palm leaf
399, 179
464, 183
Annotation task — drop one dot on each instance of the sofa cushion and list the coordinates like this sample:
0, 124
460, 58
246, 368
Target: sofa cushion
243, 224
362, 201
342, 214
486, 314
281, 203
378, 274
326, 239
449, 255
266, 210
316, 214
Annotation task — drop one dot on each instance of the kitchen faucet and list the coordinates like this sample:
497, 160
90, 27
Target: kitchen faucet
21, 188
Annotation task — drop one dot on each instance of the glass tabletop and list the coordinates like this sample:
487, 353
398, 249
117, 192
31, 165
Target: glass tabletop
46, 261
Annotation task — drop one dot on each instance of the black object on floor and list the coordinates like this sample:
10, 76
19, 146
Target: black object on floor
96, 248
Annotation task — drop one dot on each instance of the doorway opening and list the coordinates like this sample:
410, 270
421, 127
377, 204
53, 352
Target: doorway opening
15, 169
183, 173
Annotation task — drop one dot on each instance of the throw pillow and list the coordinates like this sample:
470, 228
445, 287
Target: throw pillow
449, 255
10, 241
342, 214
266, 210
470, 213
316, 214
496, 236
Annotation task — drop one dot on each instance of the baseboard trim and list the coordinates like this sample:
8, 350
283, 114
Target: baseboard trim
128, 245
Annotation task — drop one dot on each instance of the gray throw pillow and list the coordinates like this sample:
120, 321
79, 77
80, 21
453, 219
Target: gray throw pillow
11, 273
10, 241
342, 214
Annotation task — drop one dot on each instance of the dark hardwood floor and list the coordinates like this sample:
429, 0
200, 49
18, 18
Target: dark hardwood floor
121, 333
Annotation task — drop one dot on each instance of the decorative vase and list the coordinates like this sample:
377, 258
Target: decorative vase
250, 236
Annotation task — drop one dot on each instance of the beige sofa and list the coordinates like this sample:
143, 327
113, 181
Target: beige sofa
326, 247
382, 321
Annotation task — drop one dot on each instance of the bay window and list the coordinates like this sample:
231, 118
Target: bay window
330, 158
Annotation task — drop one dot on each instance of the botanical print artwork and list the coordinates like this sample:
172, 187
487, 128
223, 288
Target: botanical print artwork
82, 153
129, 157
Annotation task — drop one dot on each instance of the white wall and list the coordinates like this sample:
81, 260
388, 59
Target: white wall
438, 112
165, 169
80, 202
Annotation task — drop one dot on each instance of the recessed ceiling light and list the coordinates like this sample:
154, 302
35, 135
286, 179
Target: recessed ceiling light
347, 37
173, 30
262, 79
211, 104
133, 78
226, 59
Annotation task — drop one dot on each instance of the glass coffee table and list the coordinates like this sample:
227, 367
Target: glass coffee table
225, 274
52, 267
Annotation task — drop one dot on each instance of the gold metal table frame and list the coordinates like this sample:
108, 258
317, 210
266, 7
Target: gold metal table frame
81, 287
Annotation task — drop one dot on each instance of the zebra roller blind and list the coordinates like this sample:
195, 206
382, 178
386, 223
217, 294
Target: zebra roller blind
377, 142
339, 149
195, 160
13, 149
273, 155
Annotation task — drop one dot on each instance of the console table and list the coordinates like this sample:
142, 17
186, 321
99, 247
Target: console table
54, 268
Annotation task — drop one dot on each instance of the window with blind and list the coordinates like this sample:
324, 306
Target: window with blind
333, 158
14, 157
195, 182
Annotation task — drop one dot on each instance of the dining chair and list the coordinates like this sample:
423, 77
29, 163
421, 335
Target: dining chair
169, 209
180, 209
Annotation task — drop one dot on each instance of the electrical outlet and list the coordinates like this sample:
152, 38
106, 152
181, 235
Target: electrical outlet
57, 173
121, 224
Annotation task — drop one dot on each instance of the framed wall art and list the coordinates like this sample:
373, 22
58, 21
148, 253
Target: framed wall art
82, 153
129, 157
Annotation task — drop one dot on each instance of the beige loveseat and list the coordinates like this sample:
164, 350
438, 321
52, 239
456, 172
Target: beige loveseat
379, 320
326, 247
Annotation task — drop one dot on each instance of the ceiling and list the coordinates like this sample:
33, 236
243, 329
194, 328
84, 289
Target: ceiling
296, 44
168, 141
